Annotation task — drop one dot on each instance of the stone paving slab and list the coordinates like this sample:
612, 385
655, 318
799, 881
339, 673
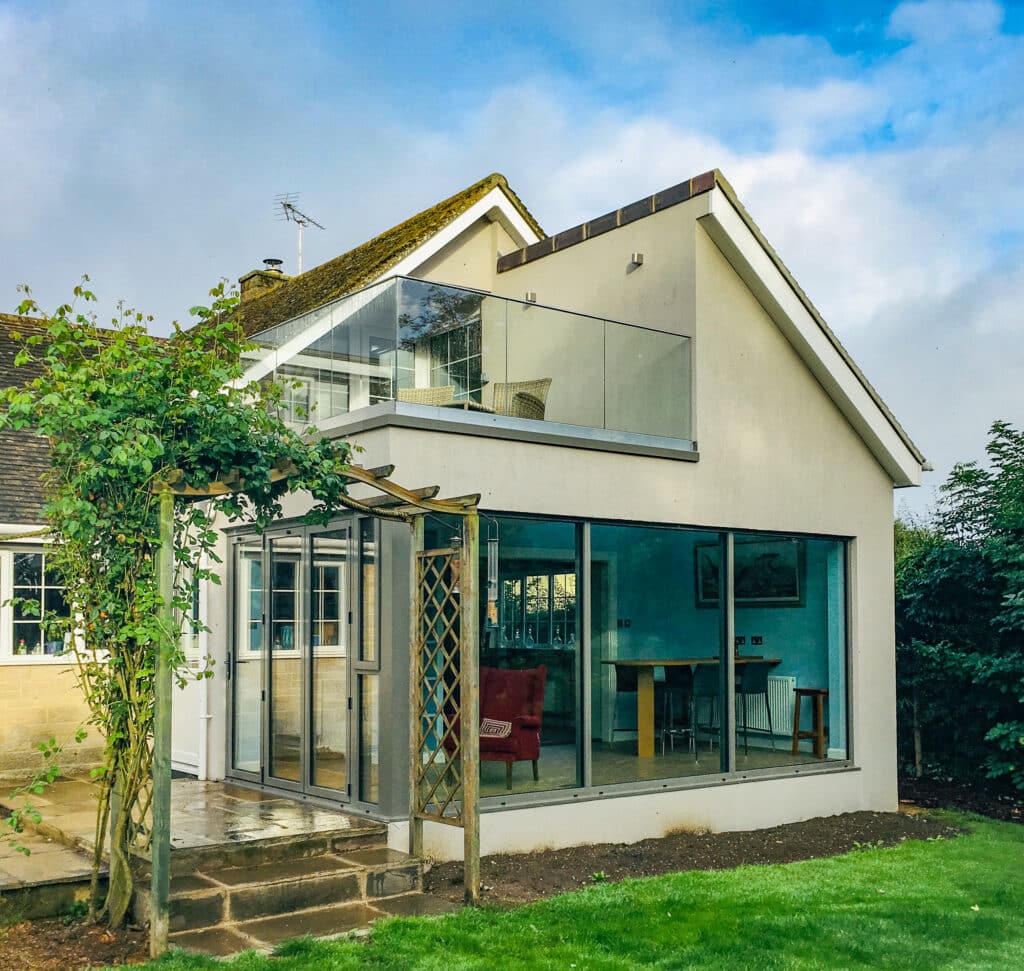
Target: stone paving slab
277, 870
375, 856
416, 905
218, 941
321, 922
49, 862
203, 814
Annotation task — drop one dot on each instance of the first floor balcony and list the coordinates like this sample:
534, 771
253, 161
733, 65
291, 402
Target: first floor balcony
476, 356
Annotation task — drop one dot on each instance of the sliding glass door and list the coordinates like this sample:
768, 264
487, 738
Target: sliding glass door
330, 679
300, 719
285, 629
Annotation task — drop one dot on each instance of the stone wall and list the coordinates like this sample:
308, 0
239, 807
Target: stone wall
38, 701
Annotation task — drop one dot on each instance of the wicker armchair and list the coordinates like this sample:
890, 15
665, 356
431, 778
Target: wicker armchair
439, 396
522, 399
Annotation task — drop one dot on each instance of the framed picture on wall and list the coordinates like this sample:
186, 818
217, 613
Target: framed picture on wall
769, 573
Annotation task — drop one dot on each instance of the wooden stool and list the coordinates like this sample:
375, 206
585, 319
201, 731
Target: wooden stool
817, 732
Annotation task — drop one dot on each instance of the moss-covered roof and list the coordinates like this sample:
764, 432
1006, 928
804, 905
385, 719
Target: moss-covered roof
369, 261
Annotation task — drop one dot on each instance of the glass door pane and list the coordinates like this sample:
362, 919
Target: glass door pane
529, 657
285, 701
330, 665
791, 664
247, 656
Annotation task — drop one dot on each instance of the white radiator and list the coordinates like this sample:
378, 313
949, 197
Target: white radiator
780, 697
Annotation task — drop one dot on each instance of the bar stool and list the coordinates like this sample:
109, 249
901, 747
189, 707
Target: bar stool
817, 732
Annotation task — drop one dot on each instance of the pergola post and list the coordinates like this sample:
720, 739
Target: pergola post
160, 842
469, 657
415, 756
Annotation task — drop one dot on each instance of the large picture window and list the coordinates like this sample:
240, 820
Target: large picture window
652, 669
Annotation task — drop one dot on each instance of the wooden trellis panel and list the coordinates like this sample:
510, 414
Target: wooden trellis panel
438, 784
444, 693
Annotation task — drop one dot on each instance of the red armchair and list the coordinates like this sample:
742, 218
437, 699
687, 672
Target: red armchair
516, 697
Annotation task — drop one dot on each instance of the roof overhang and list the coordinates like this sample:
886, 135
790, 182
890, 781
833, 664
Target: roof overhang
495, 206
757, 264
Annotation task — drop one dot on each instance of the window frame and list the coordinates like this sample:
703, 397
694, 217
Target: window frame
7, 619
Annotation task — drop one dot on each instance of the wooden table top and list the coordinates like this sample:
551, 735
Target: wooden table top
672, 662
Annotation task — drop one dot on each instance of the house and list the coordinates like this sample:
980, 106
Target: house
39, 697
685, 500
685, 503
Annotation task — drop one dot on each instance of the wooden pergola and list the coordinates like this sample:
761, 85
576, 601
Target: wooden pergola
444, 676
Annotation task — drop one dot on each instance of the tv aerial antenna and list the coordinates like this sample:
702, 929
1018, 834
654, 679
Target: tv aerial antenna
287, 212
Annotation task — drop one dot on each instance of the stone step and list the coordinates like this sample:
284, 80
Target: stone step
277, 888
245, 853
328, 921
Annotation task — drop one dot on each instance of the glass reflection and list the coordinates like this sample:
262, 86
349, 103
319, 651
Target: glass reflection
529, 662
330, 630
285, 756
247, 677
790, 613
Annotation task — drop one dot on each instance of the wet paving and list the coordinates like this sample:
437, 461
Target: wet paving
255, 869
203, 814
47, 861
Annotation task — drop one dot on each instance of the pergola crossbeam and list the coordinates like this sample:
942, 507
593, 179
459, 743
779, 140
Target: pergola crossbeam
381, 502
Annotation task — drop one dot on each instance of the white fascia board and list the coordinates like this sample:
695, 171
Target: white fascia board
494, 204
841, 382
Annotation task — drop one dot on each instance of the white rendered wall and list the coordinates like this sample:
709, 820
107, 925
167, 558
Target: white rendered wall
629, 819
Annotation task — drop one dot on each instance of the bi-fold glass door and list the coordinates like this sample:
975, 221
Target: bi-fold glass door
291, 663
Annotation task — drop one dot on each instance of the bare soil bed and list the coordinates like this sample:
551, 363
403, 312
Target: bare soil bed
52, 945
991, 801
518, 878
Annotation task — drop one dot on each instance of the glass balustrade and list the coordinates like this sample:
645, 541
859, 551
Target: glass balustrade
428, 345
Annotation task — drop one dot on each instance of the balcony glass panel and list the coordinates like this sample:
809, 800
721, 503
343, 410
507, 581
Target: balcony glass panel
428, 345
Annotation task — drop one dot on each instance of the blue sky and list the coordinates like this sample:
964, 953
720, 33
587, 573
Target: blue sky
880, 147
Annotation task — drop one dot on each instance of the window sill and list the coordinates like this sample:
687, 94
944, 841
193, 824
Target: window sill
13, 660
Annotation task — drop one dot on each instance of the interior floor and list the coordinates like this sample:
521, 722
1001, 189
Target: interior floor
557, 766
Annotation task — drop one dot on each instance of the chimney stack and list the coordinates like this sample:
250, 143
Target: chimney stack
255, 283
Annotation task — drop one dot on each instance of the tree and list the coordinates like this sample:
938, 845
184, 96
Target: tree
123, 411
960, 619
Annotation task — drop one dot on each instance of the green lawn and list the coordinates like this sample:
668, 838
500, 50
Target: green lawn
943, 904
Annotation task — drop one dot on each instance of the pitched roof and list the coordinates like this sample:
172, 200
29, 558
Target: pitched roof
369, 261
26, 455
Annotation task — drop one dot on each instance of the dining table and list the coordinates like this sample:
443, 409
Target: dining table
645, 689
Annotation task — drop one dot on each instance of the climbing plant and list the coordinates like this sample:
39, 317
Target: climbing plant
123, 411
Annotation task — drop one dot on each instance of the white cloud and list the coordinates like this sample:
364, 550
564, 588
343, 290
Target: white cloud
940, 22
146, 147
